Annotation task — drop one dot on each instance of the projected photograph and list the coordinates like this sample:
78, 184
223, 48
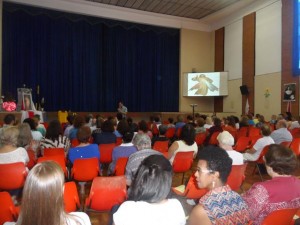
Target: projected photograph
289, 92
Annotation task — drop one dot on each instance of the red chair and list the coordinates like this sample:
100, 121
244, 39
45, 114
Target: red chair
106, 152
254, 131
242, 132
8, 211
191, 191
74, 142
253, 140
106, 192
295, 146
71, 198
121, 166
242, 144
280, 217
170, 132
85, 170
155, 130
295, 132
183, 162
260, 160
59, 159
286, 143
119, 141
32, 159
161, 146
213, 139
12, 176
55, 151
178, 132
237, 176
200, 138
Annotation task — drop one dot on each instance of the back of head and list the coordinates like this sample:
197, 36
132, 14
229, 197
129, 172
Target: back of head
42, 201
10, 136
107, 126
143, 126
265, 130
119, 116
188, 134
123, 126
78, 121
31, 123
84, 134
152, 181
25, 135
225, 138
54, 130
127, 137
9, 119
217, 122
162, 129
142, 141
217, 160
282, 124
281, 159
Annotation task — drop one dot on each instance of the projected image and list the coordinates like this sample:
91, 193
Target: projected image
203, 85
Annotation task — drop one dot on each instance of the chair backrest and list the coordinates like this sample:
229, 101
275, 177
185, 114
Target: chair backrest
178, 132
280, 217
119, 141
286, 143
200, 138
59, 159
295, 146
12, 175
170, 132
295, 132
236, 176
106, 192
213, 138
262, 154
183, 161
121, 166
74, 142
106, 152
32, 159
254, 131
192, 191
161, 146
8, 211
242, 144
55, 151
85, 169
71, 197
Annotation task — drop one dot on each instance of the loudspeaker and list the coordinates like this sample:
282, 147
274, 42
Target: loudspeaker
244, 90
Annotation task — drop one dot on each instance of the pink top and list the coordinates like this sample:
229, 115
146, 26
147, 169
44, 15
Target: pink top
278, 193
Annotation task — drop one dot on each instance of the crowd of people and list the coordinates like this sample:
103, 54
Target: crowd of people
149, 172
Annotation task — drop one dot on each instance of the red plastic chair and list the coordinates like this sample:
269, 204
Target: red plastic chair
178, 132
242, 144
191, 191
71, 198
8, 211
213, 139
155, 130
295, 132
106, 192
32, 159
55, 151
170, 132
237, 176
200, 138
280, 217
119, 141
161, 146
295, 146
12, 176
74, 142
121, 166
106, 152
254, 131
242, 132
183, 162
260, 160
286, 143
59, 159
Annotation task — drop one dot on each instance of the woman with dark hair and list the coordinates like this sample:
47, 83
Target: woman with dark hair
282, 191
36, 135
147, 200
79, 121
144, 129
84, 150
220, 205
185, 144
106, 136
54, 137
44, 187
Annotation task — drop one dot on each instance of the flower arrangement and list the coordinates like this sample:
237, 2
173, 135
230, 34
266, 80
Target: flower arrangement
267, 93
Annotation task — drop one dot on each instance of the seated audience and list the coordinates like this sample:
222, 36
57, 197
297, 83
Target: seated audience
282, 191
185, 144
79, 121
217, 127
115, 124
69, 126
124, 150
226, 141
220, 205
84, 150
26, 141
261, 121
208, 122
179, 123
40, 127
190, 120
44, 187
54, 138
281, 133
148, 202
122, 127
200, 126
133, 127
8, 121
9, 150
144, 129
161, 136
143, 144
170, 122
36, 135
244, 122
294, 124
253, 153
106, 136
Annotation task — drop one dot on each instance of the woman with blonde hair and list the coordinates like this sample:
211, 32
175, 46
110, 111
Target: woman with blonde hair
42, 201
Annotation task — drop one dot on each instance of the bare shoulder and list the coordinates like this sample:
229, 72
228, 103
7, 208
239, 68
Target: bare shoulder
198, 216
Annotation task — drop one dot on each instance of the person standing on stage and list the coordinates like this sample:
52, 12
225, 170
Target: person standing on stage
122, 109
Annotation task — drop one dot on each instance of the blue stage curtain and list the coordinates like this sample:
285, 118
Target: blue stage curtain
85, 63
296, 39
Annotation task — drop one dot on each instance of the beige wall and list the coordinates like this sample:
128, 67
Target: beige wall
232, 103
196, 53
268, 106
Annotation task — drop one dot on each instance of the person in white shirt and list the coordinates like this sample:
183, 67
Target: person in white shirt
226, 141
147, 202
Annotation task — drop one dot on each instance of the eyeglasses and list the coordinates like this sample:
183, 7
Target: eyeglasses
199, 170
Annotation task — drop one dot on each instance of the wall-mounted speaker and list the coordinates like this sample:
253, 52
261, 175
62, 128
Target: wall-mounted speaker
244, 90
